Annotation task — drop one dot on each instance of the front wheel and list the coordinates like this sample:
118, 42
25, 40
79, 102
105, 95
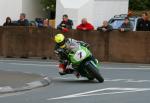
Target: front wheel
90, 78
94, 72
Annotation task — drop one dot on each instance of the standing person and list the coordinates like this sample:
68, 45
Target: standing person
8, 22
143, 24
23, 21
85, 25
46, 23
126, 26
65, 24
105, 27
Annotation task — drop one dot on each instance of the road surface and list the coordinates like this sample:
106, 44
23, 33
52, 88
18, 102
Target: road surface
124, 83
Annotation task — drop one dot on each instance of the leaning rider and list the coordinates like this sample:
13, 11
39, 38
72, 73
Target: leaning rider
62, 48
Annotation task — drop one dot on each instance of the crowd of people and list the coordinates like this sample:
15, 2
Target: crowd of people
23, 21
143, 24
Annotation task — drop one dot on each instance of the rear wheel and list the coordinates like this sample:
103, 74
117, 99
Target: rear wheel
94, 72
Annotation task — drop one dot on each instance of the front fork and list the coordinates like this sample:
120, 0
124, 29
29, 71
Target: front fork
95, 62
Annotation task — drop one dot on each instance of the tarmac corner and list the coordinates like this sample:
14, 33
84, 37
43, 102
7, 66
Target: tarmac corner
11, 82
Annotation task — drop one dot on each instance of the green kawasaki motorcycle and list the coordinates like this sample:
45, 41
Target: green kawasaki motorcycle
84, 63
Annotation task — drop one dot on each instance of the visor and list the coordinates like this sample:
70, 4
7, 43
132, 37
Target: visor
62, 44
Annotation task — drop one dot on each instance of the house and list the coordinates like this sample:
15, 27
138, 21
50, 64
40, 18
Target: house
13, 8
94, 10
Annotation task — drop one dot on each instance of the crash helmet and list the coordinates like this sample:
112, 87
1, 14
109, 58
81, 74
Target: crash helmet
60, 40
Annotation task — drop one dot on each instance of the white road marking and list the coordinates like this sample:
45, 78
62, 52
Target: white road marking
107, 79
27, 61
128, 80
55, 64
144, 66
132, 91
6, 89
69, 78
117, 80
125, 68
29, 64
35, 84
138, 81
112, 91
10, 94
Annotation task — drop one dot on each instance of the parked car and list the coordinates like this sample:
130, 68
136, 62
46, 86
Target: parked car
117, 21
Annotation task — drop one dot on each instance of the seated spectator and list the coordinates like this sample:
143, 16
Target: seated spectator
105, 27
85, 25
143, 24
8, 22
126, 26
65, 24
23, 21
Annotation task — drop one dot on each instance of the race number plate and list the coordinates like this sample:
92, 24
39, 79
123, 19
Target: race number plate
80, 55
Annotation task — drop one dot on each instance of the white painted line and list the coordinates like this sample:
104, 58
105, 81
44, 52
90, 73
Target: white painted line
32, 64
123, 68
144, 67
35, 84
132, 91
25, 64
106, 80
90, 93
10, 94
28, 61
73, 95
6, 89
138, 81
117, 80
63, 78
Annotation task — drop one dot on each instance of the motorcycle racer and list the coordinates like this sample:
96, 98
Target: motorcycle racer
62, 48
76, 58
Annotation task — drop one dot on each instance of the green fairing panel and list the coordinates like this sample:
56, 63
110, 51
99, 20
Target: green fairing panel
81, 54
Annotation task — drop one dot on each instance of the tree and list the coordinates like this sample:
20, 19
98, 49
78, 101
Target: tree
50, 7
139, 4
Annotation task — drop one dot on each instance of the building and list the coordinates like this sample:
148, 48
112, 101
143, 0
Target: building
94, 10
13, 8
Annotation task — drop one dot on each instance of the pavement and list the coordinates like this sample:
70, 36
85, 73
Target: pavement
124, 83
13, 81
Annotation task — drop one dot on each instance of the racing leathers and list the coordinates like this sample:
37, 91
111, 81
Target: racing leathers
71, 45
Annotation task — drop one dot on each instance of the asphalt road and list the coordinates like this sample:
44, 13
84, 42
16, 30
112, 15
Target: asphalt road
124, 83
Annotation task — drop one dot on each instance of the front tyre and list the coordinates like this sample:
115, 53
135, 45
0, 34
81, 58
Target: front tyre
94, 72
90, 78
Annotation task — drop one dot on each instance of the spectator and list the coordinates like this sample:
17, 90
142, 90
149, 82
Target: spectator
32, 23
105, 27
8, 22
23, 21
39, 22
126, 26
143, 24
85, 25
66, 24
46, 23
